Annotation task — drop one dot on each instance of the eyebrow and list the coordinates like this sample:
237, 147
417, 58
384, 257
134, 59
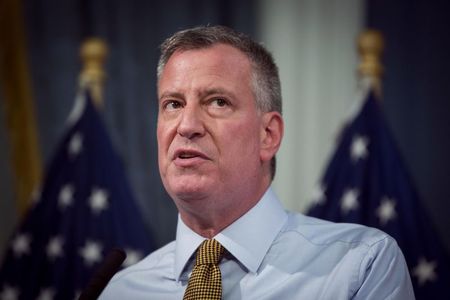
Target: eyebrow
170, 94
202, 94
212, 91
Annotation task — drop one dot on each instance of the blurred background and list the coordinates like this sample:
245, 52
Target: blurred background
314, 45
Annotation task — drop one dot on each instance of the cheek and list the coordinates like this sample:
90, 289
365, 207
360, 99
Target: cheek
163, 139
160, 141
242, 145
163, 135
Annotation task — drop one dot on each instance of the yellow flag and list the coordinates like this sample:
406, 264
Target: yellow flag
19, 110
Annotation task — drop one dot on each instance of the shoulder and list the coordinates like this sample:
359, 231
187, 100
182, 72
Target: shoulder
344, 242
159, 259
147, 276
355, 258
321, 233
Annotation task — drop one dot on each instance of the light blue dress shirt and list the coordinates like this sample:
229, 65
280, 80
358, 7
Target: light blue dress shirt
274, 254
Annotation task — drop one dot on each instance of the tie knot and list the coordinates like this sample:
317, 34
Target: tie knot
209, 252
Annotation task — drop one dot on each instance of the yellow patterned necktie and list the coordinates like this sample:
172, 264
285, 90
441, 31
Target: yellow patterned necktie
206, 281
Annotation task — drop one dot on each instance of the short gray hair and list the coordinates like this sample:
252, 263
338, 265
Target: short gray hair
265, 78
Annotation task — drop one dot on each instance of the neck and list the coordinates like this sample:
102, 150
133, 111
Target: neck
209, 220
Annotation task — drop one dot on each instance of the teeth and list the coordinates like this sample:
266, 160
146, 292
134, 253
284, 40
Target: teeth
186, 155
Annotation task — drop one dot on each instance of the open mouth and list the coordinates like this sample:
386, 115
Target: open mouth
186, 155
185, 158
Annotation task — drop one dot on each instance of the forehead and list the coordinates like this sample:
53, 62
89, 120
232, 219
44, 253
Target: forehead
221, 58
217, 48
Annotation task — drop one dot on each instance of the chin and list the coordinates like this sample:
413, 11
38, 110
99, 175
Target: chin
188, 188
189, 195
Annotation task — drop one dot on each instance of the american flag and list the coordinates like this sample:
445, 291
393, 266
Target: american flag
366, 182
84, 209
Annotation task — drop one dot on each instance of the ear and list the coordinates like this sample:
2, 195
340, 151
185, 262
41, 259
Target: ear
271, 134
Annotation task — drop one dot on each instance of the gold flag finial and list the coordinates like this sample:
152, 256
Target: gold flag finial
370, 48
93, 54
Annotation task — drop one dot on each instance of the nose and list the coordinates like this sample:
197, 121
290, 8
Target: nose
191, 124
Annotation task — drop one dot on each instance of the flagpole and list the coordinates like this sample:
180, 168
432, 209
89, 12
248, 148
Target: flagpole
93, 53
370, 48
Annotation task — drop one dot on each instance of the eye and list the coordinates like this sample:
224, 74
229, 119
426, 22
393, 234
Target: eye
219, 102
172, 105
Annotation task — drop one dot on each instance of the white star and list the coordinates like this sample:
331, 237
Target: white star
46, 294
91, 253
65, 198
358, 149
425, 271
386, 210
75, 144
9, 293
349, 200
318, 196
55, 248
98, 200
77, 295
133, 257
21, 244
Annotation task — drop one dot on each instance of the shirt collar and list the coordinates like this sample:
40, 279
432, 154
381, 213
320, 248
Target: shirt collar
248, 238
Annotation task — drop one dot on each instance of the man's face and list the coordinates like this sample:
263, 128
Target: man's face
209, 129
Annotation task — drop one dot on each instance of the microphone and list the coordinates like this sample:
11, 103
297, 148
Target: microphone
103, 275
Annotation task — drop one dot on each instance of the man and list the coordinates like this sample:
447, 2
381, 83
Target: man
219, 128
